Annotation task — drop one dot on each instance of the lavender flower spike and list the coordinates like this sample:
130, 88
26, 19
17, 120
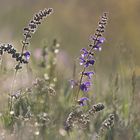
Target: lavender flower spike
87, 57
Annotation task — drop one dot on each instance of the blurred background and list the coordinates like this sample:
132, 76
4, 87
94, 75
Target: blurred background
72, 22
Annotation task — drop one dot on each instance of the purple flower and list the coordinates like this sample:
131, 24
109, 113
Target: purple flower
82, 61
87, 59
89, 74
82, 101
85, 52
101, 40
85, 86
97, 47
27, 55
89, 62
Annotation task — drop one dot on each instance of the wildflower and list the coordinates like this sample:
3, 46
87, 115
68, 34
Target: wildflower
82, 101
88, 74
89, 62
27, 55
86, 63
85, 52
87, 56
85, 86
101, 40
97, 46
82, 60
27, 32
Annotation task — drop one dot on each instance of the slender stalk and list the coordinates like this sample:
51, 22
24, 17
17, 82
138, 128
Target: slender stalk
89, 52
12, 89
23, 48
15, 73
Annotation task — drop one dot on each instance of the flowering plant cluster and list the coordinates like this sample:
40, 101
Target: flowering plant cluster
38, 107
31, 29
79, 117
24, 55
87, 59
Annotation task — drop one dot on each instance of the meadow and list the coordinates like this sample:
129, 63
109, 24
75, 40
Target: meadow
69, 70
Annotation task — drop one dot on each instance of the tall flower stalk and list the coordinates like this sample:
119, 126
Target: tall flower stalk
28, 31
87, 58
31, 29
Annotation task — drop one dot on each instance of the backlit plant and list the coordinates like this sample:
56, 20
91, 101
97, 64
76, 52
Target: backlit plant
45, 109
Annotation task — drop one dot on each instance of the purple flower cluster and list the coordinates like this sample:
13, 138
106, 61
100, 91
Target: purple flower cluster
32, 27
87, 58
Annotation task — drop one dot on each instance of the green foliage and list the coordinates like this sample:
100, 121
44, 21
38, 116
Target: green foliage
7, 120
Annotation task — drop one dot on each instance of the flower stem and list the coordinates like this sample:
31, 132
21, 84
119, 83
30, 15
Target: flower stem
89, 52
23, 48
